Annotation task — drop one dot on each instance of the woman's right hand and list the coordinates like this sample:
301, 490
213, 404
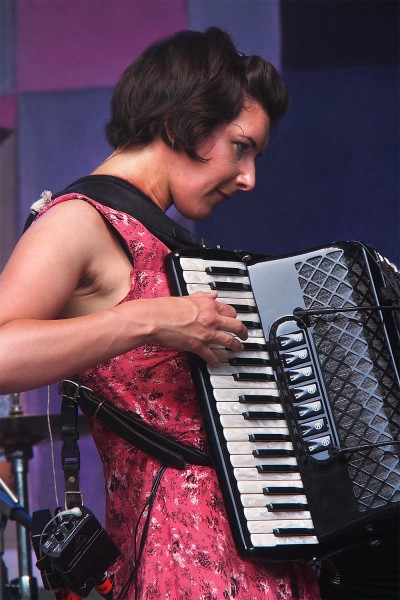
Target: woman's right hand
195, 324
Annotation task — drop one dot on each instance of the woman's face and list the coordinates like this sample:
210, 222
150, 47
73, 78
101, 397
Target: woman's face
196, 188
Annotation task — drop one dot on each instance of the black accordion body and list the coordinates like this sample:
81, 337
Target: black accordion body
304, 424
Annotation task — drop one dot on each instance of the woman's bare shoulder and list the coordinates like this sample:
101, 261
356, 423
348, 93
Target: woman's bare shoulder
76, 213
50, 259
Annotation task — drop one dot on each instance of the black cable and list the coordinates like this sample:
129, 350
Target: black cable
300, 314
336, 451
138, 554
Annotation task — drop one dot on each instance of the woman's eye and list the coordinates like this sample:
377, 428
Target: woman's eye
241, 147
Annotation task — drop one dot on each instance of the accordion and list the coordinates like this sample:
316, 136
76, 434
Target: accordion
304, 423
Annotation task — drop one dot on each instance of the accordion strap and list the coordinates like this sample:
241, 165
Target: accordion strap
118, 194
132, 428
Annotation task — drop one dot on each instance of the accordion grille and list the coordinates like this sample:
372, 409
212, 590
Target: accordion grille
357, 370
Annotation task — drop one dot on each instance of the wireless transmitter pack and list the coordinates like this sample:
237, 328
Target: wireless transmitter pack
75, 553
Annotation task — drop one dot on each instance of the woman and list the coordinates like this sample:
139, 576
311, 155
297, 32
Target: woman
189, 118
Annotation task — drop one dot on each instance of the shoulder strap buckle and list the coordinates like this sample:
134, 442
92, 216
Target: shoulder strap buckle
70, 389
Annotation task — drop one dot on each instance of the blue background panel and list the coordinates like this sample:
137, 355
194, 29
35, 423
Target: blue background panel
330, 172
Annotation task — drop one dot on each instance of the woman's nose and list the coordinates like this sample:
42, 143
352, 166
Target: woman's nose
246, 180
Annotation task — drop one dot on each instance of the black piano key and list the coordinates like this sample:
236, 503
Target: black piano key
244, 308
244, 362
286, 506
292, 531
225, 286
255, 415
252, 324
272, 452
255, 346
258, 399
283, 491
253, 377
269, 437
277, 468
225, 271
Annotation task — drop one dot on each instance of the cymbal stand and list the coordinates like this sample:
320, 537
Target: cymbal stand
18, 452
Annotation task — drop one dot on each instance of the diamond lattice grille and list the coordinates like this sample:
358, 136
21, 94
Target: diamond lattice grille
358, 374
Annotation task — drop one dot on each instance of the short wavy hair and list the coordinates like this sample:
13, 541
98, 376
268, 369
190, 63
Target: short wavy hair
185, 86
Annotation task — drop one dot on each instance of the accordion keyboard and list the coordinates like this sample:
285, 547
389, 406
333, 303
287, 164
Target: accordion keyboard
257, 445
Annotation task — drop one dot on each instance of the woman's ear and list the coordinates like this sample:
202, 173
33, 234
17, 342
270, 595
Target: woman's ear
168, 134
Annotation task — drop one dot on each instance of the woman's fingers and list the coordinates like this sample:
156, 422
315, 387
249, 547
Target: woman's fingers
197, 323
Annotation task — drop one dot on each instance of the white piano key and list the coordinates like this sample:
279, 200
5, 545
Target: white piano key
227, 369
235, 408
248, 447
226, 355
252, 500
226, 382
268, 526
201, 287
251, 474
254, 333
260, 513
260, 340
239, 421
238, 434
199, 264
243, 460
269, 540
249, 317
192, 288
232, 395
254, 340
248, 301
202, 277
257, 487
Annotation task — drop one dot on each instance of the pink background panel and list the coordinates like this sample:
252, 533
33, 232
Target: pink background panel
8, 111
70, 44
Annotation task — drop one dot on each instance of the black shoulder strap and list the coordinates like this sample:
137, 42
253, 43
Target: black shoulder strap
120, 195
131, 428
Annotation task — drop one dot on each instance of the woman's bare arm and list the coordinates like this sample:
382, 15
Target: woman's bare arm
46, 270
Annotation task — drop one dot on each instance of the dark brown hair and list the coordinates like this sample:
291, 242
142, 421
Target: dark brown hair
185, 86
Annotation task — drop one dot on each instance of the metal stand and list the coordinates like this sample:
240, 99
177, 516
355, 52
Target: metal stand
18, 458
18, 451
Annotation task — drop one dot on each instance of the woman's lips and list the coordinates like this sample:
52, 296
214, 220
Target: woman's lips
223, 194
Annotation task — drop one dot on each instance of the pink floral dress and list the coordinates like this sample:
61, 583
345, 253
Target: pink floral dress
188, 551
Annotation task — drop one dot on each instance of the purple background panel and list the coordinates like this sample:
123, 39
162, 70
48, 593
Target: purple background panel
7, 46
8, 186
81, 44
61, 139
254, 24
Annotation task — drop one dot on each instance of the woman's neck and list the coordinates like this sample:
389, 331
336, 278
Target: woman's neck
144, 167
